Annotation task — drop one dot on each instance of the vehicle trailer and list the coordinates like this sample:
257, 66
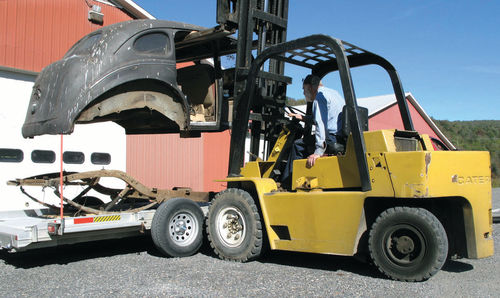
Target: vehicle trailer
174, 217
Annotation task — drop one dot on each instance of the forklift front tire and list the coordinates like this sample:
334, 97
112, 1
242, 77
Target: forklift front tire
177, 228
234, 226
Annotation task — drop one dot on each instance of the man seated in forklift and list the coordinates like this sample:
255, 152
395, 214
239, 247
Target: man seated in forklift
327, 105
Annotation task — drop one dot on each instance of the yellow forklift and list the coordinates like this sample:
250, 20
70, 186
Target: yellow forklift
387, 193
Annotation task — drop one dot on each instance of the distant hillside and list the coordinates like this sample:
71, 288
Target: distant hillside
476, 135
295, 102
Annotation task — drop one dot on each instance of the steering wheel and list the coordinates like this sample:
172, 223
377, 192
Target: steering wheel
294, 110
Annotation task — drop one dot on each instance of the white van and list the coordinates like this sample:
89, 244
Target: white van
90, 147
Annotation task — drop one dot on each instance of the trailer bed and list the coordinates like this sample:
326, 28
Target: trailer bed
29, 229
127, 212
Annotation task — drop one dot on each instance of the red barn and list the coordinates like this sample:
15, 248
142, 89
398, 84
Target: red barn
384, 113
34, 34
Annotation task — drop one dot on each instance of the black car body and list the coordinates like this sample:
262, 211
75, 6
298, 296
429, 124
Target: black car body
127, 73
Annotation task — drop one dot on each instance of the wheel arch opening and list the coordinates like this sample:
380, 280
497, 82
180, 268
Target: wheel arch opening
140, 106
251, 188
448, 210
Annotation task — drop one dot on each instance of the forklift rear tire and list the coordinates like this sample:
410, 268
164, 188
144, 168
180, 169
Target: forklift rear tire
234, 226
408, 244
177, 228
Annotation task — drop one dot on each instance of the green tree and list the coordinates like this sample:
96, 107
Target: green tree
476, 135
295, 102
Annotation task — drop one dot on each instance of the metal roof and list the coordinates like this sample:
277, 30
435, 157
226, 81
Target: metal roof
134, 9
374, 104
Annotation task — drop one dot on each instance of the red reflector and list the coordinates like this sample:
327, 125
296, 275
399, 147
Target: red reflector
51, 229
83, 220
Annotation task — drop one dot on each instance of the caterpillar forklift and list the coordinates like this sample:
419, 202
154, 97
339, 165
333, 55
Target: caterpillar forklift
386, 193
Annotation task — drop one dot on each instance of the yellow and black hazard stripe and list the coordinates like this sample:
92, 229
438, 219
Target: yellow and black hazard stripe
84, 220
107, 218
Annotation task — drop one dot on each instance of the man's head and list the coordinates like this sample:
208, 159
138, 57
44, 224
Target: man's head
310, 86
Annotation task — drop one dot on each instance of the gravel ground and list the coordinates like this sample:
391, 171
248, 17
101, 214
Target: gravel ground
133, 267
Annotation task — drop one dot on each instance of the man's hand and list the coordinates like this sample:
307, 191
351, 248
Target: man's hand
293, 115
311, 160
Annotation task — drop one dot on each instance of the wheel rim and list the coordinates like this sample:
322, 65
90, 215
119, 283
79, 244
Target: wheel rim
183, 228
404, 245
230, 225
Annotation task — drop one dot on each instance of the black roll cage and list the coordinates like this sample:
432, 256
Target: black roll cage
322, 54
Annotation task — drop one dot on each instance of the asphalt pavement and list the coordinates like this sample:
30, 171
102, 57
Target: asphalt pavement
133, 267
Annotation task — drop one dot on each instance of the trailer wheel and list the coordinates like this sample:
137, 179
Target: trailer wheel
177, 228
234, 226
408, 244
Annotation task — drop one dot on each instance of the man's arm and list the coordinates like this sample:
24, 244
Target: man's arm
320, 116
319, 108
305, 118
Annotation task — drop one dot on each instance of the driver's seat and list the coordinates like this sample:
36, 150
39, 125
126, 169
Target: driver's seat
345, 130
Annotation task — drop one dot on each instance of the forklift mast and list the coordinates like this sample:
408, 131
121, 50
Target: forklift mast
260, 24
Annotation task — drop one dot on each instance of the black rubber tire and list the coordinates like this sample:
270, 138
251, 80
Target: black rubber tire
177, 227
408, 244
249, 244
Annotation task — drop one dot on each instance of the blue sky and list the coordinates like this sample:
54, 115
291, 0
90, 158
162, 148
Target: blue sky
447, 53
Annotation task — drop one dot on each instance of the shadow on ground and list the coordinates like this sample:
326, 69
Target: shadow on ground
340, 263
66, 254
457, 266
359, 266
